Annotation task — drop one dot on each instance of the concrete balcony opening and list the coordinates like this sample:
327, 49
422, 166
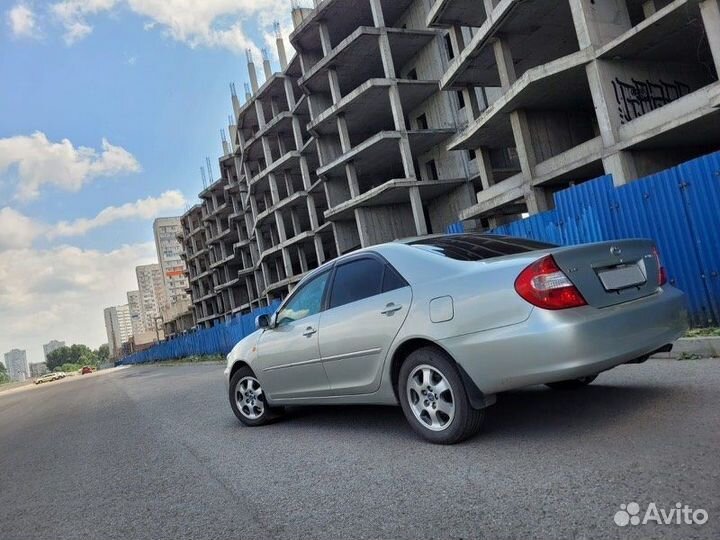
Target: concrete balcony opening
341, 18
357, 58
534, 32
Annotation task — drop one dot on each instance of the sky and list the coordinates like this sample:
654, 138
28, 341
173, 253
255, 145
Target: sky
108, 109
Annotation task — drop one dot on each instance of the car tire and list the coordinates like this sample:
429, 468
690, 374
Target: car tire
572, 383
442, 413
247, 399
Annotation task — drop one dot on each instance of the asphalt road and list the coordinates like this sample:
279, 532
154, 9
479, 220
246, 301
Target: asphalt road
154, 452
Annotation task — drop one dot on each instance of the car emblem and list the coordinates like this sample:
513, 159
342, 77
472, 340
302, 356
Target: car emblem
616, 251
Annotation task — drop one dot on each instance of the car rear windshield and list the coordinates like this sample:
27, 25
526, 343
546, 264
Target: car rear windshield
477, 247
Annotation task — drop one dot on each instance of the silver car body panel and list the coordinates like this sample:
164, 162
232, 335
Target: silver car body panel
501, 341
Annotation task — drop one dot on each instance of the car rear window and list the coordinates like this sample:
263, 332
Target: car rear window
477, 247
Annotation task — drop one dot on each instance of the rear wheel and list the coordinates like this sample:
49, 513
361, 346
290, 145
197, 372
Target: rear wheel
247, 399
572, 383
434, 400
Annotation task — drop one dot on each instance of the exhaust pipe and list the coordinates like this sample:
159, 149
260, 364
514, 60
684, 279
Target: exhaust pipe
644, 358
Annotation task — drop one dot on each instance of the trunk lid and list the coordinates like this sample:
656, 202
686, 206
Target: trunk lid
610, 273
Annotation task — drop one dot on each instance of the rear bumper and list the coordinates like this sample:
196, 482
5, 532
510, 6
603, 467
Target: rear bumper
558, 345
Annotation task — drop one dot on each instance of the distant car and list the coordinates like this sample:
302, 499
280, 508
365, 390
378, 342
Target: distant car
61, 374
85, 370
442, 324
48, 377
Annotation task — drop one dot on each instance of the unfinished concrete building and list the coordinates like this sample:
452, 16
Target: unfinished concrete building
370, 71
574, 89
403, 117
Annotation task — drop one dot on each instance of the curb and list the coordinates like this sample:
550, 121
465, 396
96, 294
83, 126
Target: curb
703, 347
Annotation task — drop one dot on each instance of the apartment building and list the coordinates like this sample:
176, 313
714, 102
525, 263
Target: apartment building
152, 294
136, 315
118, 327
172, 265
398, 118
16, 365
51, 346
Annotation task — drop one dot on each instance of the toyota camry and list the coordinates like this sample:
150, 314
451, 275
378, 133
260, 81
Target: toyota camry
441, 324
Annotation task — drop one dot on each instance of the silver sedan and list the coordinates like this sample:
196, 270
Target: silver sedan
441, 324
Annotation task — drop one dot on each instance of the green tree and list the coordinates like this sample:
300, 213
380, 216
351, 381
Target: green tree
75, 354
103, 353
2, 368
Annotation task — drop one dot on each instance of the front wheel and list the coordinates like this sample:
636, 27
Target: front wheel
434, 399
247, 399
572, 383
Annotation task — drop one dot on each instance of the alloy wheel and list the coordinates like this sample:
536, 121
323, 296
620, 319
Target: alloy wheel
250, 398
430, 397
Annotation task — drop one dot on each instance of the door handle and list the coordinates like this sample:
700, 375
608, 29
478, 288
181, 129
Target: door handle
309, 331
391, 308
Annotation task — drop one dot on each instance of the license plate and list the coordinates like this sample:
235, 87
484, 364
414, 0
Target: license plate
622, 277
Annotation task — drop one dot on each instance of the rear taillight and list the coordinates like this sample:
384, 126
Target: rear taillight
662, 274
544, 285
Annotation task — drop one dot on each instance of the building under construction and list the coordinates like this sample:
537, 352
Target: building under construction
403, 117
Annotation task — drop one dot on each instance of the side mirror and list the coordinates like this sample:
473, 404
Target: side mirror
262, 321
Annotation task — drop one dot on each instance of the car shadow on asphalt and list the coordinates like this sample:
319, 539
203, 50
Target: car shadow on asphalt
533, 412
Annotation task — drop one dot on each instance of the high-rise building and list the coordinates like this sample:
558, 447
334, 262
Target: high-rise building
152, 293
52, 346
118, 327
135, 308
16, 365
172, 265
38, 369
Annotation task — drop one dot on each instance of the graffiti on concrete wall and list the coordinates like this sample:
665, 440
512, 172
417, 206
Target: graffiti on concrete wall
639, 97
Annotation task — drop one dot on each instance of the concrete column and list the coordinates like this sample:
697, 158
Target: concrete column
489, 6
289, 93
303, 259
295, 221
343, 133
325, 38
471, 103
312, 212
267, 152
710, 11
597, 73
352, 179
287, 262
260, 113
274, 108
397, 108
305, 172
274, 192
534, 197
386, 56
280, 224
598, 23
649, 8
362, 228
377, 13
334, 86
622, 167
417, 210
487, 177
288, 183
457, 40
319, 249
297, 133
505, 65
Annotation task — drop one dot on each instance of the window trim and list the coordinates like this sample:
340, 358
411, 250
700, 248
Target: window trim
357, 257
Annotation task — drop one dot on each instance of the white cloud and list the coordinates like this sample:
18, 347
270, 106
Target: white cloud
73, 14
40, 162
206, 23
17, 230
148, 208
23, 22
61, 293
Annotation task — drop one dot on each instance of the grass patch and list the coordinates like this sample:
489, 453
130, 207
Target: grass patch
690, 356
712, 331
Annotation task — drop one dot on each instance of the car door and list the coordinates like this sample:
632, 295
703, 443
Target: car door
289, 354
367, 304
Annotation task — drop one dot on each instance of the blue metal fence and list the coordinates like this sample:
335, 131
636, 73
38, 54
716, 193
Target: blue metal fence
219, 339
679, 208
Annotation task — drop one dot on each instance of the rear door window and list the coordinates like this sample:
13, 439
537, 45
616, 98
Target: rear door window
356, 280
